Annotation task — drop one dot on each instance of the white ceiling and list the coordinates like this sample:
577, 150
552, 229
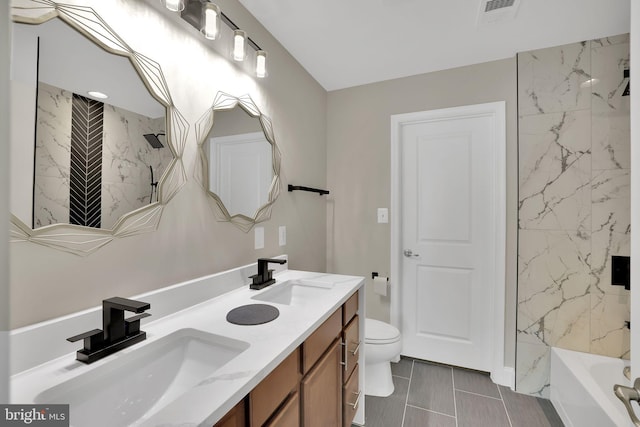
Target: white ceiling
344, 43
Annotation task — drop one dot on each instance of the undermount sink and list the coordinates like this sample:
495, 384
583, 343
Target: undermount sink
131, 388
293, 292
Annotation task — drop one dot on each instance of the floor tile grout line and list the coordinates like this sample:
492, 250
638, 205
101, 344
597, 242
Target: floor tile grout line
455, 403
477, 394
400, 376
505, 407
406, 400
430, 410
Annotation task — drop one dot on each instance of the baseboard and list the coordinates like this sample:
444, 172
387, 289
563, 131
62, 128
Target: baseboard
505, 377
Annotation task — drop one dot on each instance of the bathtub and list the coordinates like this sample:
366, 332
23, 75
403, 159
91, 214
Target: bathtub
582, 389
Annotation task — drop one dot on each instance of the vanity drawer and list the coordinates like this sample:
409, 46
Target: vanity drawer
350, 308
351, 346
320, 340
267, 396
351, 396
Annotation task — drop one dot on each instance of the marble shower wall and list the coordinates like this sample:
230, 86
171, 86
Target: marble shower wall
126, 157
574, 204
52, 156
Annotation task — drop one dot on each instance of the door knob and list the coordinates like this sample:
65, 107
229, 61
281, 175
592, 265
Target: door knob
409, 253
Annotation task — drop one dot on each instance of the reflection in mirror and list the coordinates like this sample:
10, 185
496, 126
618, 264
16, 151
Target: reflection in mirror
240, 170
91, 162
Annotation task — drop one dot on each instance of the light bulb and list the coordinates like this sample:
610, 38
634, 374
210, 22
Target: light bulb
174, 5
210, 20
239, 42
261, 64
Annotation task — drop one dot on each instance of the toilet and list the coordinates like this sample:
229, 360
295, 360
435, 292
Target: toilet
381, 344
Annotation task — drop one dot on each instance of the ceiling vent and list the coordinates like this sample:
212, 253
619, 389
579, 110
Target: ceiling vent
494, 11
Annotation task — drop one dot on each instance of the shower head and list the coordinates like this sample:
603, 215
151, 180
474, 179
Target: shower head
152, 139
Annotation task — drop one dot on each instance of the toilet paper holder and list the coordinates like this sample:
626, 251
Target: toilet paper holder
375, 274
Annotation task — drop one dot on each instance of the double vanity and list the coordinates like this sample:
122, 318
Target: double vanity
304, 367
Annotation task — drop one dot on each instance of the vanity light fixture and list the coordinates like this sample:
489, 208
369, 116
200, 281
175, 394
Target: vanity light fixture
96, 94
174, 5
239, 45
205, 16
261, 64
210, 20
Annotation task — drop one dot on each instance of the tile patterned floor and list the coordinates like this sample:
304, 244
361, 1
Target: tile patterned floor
432, 395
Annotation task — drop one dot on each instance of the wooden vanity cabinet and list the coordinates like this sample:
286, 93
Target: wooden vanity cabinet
315, 386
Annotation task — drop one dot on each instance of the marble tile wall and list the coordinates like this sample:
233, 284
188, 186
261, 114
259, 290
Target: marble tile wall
574, 204
52, 154
126, 157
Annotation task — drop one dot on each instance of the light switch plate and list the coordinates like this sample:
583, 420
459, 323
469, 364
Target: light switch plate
282, 235
259, 237
383, 215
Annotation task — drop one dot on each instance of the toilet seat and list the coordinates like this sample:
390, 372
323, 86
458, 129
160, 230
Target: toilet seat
377, 332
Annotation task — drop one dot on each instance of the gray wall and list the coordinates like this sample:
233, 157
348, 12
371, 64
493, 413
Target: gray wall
189, 243
4, 202
358, 162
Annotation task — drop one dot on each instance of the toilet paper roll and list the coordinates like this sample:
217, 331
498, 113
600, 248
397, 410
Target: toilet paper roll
380, 285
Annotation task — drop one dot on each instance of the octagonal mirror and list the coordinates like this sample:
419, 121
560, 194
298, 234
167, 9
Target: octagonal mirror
96, 138
240, 161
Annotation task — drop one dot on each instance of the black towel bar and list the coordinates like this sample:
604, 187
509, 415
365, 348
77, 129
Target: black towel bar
313, 190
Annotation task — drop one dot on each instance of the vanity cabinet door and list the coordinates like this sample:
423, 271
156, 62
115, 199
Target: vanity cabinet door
288, 415
267, 396
322, 391
234, 418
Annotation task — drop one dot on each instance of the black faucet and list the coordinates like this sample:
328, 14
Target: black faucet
116, 333
264, 277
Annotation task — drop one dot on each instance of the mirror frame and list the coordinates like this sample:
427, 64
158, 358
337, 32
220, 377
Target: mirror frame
224, 102
81, 240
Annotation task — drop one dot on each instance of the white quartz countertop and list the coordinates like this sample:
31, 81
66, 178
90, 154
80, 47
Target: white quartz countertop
204, 405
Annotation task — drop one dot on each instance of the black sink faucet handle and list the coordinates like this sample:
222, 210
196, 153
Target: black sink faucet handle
93, 339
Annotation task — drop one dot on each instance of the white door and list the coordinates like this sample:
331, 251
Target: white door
452, 258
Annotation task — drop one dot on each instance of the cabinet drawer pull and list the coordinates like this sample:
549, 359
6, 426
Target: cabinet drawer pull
344, 356
355, 404
355, 350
